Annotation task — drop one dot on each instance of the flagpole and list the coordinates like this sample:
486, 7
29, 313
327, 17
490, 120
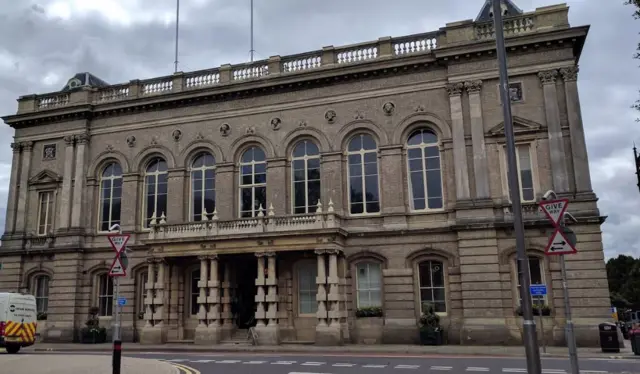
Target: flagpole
177, 28
251, 51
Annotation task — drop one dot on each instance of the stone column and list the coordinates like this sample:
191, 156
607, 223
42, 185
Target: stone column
65, 197
333, 296
149, 334
559, 173
270, 334
459, 146
202, 298
176, 203
260, 295
21, 213
79, 177
10, 220
157, 333
480, 164
393, 199
226, 192
277, 185
578, 143
327, 331
213, 316
227, 316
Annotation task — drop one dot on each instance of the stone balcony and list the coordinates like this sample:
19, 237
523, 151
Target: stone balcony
452, 36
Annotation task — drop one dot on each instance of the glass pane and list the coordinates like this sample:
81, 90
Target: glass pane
198, 162
434, 184
299, 150
373, 207
438, 294
115, 210
415, 165
357, 208
435, 203
260, 178
437, 274
375, 297
355, 144
313, 163
535, 270
371, 188
364, 299
425, 274
419, 204
441, 307
355, 159
414, 153
415, 138
258, 154
417, 185
429, 137
298, 175
247, 199
426, 295
260, 168
314, 193
431, 152
313, 174
298, 164
247, 156
355, 185
312, 149
299, 194
368, 143
261, 197
355, 170
524, 158
371, 168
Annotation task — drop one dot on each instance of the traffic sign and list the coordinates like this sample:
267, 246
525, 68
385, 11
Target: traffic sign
118, 241
554, 209
538, 289
559, 245
122, 301
117, 270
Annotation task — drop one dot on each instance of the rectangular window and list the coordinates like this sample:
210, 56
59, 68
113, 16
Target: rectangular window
105, 295
525, 173
369, 277
45, 212
432, 288
536, 274
41, 292
307, 289
142, 291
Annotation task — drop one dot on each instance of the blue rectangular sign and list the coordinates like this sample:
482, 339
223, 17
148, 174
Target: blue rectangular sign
538, 289
122, 301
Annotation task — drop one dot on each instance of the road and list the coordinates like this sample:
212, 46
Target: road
243, 363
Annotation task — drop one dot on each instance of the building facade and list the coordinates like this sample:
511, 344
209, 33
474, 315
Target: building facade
288, 193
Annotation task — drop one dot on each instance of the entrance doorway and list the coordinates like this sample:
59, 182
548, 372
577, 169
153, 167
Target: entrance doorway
246, 267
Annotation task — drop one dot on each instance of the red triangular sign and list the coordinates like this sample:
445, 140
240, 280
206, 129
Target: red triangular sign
117, 270
118, 241
554, 209
559, 245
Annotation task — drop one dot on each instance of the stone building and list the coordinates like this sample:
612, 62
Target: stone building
288, 193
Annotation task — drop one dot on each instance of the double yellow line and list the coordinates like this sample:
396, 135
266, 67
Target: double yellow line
185, 369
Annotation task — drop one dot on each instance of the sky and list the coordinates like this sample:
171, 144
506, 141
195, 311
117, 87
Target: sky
43, 43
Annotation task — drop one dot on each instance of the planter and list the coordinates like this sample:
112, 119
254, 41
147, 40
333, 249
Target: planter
368, 330
431, 336
93, 335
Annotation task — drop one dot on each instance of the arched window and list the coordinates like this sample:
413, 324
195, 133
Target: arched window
432, 288
425, 177
364, 191
155, 185
110, 196
194, 291
253, 182
305, 173
40, 289
307, 288
142, 279
203, 186
369, 284
104, 294
536, 274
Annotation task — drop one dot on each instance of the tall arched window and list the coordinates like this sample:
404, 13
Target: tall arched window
40, 289
155, 185
253, 182
432, 288
364, 191
203, 186
425, 174
369, 284
105, 294
305, 173
110, 196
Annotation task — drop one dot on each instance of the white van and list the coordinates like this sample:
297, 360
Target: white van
18, 321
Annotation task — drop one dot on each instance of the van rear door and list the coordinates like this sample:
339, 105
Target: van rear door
21, 319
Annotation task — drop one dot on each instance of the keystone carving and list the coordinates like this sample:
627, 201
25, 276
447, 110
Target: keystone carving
359, 115
419, 108
250, 130
199, 136
302, 123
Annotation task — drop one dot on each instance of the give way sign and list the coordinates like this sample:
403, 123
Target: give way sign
118, 243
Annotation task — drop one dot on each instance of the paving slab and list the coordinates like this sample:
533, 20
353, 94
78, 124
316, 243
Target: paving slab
80, 364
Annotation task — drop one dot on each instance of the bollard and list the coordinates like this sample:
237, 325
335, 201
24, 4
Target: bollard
117, 356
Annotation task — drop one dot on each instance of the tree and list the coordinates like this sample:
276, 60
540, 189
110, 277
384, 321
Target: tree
623, 273
636, 15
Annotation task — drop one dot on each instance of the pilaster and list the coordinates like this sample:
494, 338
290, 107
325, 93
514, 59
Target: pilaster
82, 140
226, 316
176, 196
459, 146
226, 193
332, 182
277, 185
202, 297
269, 333
129, 212
559, 174
260, 294
392, 197
213, 315
10, 220
579, 154
480, 164
25, 170
328, 329
65, 197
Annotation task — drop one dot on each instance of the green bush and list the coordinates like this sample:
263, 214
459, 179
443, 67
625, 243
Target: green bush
372, 311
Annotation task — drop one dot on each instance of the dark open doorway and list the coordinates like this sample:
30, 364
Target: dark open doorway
246, 268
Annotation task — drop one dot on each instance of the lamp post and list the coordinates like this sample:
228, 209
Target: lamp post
529, 334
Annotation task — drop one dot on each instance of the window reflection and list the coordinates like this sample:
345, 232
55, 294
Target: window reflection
364, 192
305, 170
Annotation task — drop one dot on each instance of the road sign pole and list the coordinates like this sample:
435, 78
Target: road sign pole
529, 336
119, 247
544, 343
571, 338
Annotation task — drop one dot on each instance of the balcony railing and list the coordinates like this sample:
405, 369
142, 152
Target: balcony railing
262, 223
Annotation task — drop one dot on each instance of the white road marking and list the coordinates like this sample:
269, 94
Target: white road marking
313, 363
254, 362
441, 368
283, 363
472, 368
202, 361
514, 370
304, 372
594, 371
374, 366
176, 360
343, 365
228, 361
406, 366
553, 371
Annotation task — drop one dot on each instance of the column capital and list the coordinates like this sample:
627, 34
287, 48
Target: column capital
68, 140
473, 86
213, 257
570, 74
260, 254
82, 138
159, 260
455, 89
27, 146
548, 76
150, 261
270, 254
203, 257
16, 147
319, 252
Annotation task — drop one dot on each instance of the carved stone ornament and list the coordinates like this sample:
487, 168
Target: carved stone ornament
419, 108
27, 146
473, 86
358, 115
49, 152
388, 108
275, 123
199, 136
570, 74
250, 130
82, 138
15, 147
302, 123
225, 129
68, 140
330, 116
109, 148
548, 77
154, 140
455, 89
131, 141
177, 135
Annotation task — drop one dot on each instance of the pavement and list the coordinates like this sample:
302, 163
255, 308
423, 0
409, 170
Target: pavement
80, 364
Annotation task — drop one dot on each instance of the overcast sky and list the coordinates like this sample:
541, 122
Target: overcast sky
45, 42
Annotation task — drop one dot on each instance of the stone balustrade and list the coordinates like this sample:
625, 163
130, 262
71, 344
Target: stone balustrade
453, 34
160, 230
530, 212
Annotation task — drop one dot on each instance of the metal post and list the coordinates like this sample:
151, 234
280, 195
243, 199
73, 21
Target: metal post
529, 326
251, 31
544, 343
117, 342
177, 35
571, 339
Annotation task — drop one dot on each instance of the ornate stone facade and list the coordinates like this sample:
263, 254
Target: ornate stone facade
286, 194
